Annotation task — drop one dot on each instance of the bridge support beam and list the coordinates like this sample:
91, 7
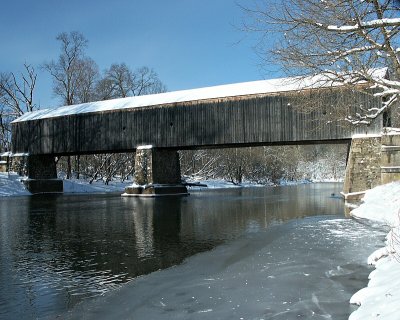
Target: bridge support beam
157, 173
42, 175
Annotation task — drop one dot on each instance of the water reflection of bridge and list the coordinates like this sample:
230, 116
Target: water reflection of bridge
133, 236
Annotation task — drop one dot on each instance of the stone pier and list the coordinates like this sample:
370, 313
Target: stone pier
373, 160
42, 175
157, 173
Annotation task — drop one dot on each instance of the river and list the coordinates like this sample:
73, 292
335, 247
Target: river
246, 253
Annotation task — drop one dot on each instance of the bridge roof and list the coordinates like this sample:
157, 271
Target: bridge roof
272, 86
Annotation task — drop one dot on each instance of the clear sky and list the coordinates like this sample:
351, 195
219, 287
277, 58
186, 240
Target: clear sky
189, 43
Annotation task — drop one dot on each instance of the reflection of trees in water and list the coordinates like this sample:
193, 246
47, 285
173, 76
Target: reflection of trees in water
133, 236
253, 209
69, 248
107, 235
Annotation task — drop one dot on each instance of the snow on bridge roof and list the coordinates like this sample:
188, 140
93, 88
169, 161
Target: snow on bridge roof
222, 91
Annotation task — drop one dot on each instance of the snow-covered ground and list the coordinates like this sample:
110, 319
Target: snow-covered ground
381, 299
82, 186
11, 185
222, 184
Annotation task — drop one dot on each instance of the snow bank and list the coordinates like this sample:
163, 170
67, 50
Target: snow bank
11, 185
381, 299
83, 186
381, 204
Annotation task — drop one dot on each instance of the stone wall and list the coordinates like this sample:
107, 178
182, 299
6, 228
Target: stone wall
42, 175
157, 173
373, 160
363, 169
157, 166
143, 166
19, 164
166, 167
41, 167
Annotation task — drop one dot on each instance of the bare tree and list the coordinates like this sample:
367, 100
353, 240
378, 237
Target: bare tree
120, 81
87, 80
66, 71
266, 165
345, 40
16, 98
76, 79
70, 72
200, 164
146, 81
117, 81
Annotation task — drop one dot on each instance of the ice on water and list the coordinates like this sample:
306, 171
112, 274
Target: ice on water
303, 269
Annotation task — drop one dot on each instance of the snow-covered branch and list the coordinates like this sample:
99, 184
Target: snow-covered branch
344, 39
373, 24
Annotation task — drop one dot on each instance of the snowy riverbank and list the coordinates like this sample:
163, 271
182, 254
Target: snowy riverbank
381, 299
11, 185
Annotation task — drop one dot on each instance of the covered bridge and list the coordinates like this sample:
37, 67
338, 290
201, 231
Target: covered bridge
266, 112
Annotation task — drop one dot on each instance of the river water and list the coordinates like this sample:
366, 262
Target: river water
246, 253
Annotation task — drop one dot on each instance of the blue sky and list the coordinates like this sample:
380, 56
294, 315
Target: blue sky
189, 43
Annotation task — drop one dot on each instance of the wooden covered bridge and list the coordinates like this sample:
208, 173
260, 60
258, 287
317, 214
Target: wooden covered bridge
245, 114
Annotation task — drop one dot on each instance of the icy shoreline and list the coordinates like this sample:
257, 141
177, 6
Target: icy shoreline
11, 185
381, 298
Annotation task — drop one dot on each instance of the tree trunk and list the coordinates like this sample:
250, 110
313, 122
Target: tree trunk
69, 169
77, 165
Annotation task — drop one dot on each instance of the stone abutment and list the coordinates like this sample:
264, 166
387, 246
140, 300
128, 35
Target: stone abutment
373, 160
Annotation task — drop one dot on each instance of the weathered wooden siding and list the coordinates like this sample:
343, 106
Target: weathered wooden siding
251, 120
